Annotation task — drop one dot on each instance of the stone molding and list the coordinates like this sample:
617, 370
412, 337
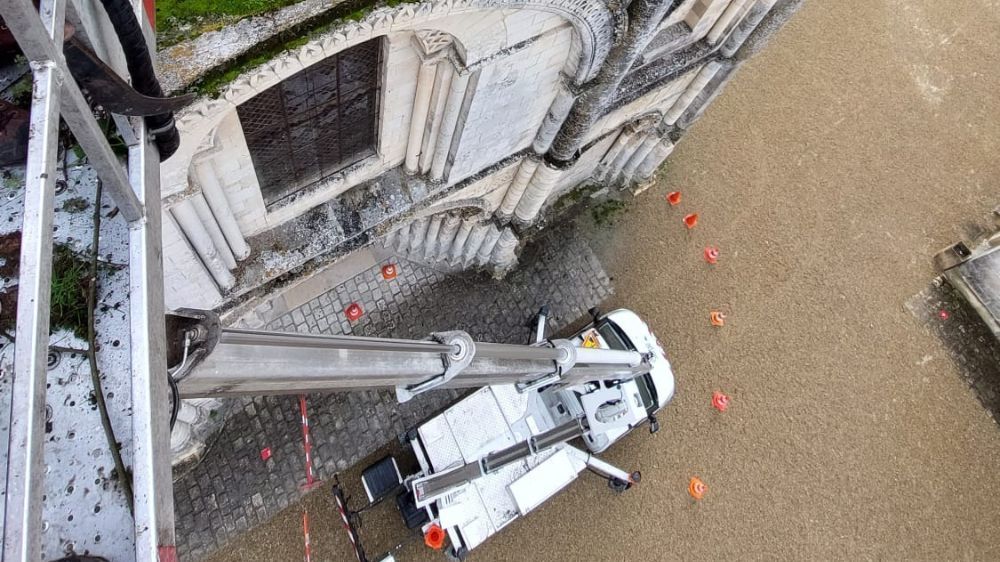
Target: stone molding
591, 19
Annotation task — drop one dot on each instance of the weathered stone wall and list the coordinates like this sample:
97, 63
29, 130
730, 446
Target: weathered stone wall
489, 111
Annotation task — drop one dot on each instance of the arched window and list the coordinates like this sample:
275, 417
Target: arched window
314, 123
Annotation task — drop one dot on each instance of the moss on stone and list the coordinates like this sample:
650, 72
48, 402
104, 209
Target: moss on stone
178, 20
607, 212
184, 9
214, 81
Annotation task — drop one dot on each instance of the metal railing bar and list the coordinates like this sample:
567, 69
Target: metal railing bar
25, 460
152, 481
151, 468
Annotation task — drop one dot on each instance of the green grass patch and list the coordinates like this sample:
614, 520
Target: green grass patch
75, 205
70, 277
20, 91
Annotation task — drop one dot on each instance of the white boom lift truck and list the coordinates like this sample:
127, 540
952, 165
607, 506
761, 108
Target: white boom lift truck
493, 456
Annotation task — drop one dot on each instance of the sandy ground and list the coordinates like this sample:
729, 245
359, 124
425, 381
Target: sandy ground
835, 164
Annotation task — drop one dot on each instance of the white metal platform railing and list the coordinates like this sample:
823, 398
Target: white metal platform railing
136, 192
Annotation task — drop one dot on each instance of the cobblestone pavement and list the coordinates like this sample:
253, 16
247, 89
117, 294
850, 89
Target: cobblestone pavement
233, 489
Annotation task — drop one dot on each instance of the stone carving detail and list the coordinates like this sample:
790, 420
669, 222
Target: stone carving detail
644, 122
592, 20
433, 41
447, 239
637, 152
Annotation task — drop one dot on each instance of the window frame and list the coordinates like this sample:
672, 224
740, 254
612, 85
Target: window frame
278, 195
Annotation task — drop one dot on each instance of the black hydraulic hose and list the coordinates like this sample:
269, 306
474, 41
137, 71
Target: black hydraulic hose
140, 67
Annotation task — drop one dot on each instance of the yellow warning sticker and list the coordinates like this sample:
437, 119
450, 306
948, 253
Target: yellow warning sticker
590, 340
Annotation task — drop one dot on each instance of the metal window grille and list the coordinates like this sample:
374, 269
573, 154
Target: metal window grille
315, 123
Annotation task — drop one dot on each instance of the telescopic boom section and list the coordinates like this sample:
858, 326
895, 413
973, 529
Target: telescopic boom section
245, 362
433, 486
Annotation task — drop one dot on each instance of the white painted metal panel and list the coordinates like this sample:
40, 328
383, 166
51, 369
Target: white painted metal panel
543, 482
478, 425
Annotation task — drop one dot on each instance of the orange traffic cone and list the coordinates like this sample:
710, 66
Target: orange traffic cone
691, 220
718, 318
712, 254
434, 537
389, 271
697, 488
354, 312
674, 198
720, 401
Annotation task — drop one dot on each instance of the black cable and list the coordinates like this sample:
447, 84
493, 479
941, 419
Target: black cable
140, 69
176, 405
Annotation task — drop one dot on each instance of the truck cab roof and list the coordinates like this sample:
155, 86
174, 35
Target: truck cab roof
643, 340
646, 394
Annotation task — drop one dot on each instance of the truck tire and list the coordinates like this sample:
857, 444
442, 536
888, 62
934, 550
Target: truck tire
407, 436
618, 486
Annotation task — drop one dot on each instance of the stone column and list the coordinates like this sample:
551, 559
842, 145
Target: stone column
736, 10
553, 119
418, 231
194, 230
418, 119
644, 19
746, 27
447, 236
615, 169
535, 195
704, 76
489, 243
701, 22
223, 213
430, 241
474, 242
449, 121
505, 252
442, 84
192, 281
640, 154
458, 246
609, 157
403, 238
212, 227
516, 189
654, 159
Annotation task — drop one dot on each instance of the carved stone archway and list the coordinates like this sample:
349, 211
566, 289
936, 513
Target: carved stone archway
592, 20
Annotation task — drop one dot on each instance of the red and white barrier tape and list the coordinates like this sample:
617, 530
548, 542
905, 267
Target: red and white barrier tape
347, 524
310, 476
305, 533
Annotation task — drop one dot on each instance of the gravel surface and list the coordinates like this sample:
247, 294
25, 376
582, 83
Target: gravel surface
833, 167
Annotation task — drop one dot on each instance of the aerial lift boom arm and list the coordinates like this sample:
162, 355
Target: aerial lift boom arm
224, 361
215, 361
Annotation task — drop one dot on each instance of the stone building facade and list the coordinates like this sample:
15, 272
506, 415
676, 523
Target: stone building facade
442, 130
